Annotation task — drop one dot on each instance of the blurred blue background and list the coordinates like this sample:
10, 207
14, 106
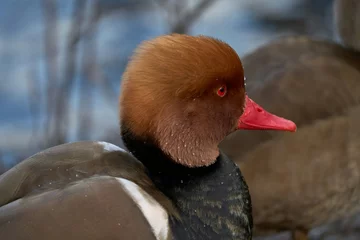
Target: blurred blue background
61, 61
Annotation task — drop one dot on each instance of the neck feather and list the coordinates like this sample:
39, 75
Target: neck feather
212, 201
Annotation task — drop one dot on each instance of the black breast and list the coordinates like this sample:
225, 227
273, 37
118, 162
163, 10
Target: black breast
213, 202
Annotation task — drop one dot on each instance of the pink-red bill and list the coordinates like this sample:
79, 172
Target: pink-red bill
256, 118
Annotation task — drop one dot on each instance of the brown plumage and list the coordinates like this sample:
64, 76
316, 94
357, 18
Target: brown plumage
308, 179
188, 108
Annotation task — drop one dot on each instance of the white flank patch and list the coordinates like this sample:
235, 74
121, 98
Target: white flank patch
110, 147
154, 213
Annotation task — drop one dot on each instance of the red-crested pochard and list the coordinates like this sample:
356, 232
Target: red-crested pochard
180, 96
313, 82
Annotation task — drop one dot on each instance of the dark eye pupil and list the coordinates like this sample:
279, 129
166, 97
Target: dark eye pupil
221, 91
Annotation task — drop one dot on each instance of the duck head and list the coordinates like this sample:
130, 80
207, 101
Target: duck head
186, 94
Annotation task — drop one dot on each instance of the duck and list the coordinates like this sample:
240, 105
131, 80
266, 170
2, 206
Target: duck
180, 96
315, 83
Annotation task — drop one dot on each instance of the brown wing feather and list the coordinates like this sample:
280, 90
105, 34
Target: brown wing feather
92, 208
70, 192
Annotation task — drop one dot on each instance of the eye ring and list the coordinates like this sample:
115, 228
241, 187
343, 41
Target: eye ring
221, 92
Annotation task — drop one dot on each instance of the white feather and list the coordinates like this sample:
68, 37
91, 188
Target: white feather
154, 213
110, 147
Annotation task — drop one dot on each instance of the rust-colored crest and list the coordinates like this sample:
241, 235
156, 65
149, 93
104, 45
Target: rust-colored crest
169, 93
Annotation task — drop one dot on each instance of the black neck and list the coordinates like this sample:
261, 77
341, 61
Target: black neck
213, 201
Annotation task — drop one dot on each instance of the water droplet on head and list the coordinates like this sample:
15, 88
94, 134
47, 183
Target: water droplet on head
181, 181
76, 175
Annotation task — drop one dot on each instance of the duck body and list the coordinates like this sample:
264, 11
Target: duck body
101, 182
81, 187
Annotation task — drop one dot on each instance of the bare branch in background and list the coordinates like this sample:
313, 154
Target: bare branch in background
2, 164
90, 70
61, 114
180, 18
107, 7
51, 54
188, 18
34, 100
110, 93
60, 86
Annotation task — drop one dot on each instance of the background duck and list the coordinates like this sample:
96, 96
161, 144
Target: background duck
311, 179
298, 77
179, 186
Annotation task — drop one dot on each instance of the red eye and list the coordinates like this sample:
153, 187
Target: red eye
222, 91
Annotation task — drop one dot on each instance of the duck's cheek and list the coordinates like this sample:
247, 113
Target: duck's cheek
231, 126
190, 111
